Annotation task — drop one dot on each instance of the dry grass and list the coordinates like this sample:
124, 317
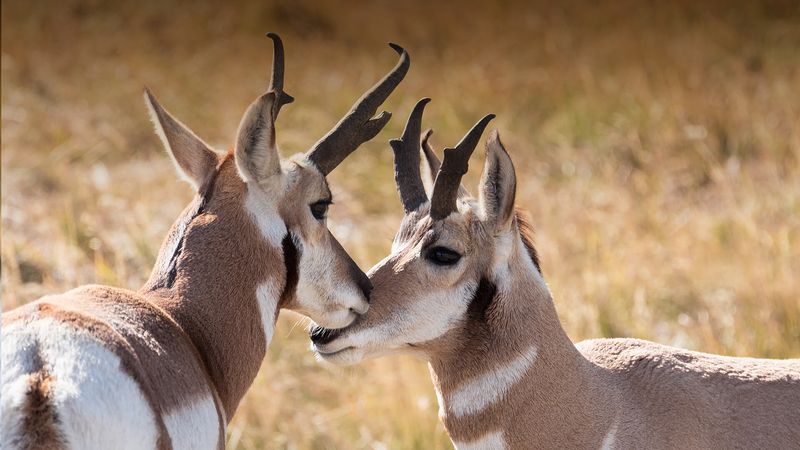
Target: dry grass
657, 146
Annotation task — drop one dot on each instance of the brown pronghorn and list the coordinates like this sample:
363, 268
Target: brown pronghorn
463, 289
166, 366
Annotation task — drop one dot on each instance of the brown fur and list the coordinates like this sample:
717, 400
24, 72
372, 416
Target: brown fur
205, 291
194, 330
40, 424
113, 317
525, 229
166, 361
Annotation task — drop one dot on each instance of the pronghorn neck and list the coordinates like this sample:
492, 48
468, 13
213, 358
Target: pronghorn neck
512, 358
222, 282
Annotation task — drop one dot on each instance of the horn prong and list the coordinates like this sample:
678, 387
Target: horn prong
360, 124
406, 160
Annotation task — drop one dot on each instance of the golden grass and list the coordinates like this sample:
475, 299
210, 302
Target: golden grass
657, 148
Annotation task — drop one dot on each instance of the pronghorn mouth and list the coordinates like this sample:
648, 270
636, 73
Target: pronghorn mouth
322, 336
334, 353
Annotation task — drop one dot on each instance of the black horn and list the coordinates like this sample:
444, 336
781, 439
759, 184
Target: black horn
430, 156
276, 79
454, 166
406, 161
360, 124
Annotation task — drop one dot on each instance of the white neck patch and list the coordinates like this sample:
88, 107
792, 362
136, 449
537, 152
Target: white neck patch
267, 294
265, 215
491, 441
610, 439
272, 228
490, 387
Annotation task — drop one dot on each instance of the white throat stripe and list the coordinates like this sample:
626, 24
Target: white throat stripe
491, 441
488, 388
610, 439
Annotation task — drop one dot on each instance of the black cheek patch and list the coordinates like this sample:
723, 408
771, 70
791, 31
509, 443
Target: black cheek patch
481, 300
291, 259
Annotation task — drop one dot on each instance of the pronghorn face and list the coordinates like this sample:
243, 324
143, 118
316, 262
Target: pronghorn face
288, 202
447, 259
286, 199
330, 287
421, 292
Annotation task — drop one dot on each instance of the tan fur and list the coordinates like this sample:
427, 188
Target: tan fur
505, 370
206, 289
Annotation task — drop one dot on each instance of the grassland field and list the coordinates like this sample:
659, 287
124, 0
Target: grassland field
657, 147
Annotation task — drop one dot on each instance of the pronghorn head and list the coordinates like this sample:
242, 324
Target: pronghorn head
286, 199
451, 256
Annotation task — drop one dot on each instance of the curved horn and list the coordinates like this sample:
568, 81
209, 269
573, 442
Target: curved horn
276, 79
454, 166
359, 125
406, 161
433, 164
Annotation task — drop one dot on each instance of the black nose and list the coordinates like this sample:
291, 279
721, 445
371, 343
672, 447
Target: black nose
361, 279
322, 336
353, 270
365, 285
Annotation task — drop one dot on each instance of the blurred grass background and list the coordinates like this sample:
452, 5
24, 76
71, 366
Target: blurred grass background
657, 146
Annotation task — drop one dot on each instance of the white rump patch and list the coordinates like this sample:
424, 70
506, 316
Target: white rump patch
195, 425
491, 441
99, 406
488, 388
610, 439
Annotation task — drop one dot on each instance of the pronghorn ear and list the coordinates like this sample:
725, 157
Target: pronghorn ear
428, 163
498, 184
193, 158
256, 153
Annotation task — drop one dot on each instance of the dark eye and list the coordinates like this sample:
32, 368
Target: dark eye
319, 209
442, 256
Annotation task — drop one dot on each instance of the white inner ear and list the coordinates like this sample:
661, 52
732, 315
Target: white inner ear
256, 151
425, 174
498, 187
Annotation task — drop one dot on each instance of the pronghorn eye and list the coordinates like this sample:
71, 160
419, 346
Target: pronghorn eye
442, 256
319, 209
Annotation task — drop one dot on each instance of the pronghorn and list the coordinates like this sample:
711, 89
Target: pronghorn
463, 289
166, 366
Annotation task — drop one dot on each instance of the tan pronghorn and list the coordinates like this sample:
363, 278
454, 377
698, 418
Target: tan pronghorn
165, 367
463, 288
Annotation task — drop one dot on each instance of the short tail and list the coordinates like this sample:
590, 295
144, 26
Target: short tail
41, 421
36, 420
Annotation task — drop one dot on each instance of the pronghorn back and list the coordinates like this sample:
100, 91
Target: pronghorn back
700, 399
71, 360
